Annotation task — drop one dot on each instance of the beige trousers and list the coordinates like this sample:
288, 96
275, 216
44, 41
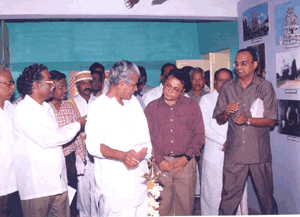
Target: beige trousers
51, 206
178, 194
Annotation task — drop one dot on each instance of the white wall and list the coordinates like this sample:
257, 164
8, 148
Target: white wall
182, 9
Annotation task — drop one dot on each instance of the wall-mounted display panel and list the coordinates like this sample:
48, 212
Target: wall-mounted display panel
288, 70
261, 52
256, 22
289, 117
287, 24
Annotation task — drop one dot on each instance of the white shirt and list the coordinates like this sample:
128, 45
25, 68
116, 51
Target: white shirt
153, 94
7, 172
38, 156
82, 105
215, 134
122, 128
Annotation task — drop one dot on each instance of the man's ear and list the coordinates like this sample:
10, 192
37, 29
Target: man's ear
35, 86
122, 83
255, 63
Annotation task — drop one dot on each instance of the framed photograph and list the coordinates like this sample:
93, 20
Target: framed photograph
287, 70
256, 22
289, 117
287, 25
261, 69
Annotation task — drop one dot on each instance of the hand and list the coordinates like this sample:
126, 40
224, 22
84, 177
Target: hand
82, 121
224, 146
141, 154
241, 119
179, 164
232, 108
165, 166
129, 159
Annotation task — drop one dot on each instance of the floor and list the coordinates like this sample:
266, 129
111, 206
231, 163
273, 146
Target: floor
197, 209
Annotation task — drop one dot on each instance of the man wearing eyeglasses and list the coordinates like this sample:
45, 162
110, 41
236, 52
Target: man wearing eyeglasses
249, 104
10, 204
177, 135
38, 157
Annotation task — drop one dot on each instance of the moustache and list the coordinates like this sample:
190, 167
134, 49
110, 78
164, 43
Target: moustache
89, 89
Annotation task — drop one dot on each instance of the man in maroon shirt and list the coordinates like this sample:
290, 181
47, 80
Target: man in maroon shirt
177, 135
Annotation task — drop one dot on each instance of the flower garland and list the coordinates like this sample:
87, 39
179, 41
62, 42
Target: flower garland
154, 189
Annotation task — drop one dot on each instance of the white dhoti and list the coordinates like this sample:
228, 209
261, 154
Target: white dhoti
211, 188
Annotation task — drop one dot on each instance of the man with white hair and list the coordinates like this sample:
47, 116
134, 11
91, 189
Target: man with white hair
120, 143
86, 183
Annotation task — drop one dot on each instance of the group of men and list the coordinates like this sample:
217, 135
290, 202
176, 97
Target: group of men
99, 141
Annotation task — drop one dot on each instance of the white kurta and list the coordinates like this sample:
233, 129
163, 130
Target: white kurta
122, 128
213, 158
153, 94
7, 175
38, 156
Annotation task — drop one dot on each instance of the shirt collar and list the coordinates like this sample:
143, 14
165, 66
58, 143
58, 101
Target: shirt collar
162, 102
34, 103
255, 80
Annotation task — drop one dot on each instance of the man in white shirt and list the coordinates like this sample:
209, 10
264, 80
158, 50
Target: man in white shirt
10, 204
39, 161
86, 181
120, 143
213, 155
156, 92
98, 73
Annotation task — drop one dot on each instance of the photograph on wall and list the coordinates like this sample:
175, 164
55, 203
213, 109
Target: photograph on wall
261, 69
256, 22
287, 24
288, 70
289, 117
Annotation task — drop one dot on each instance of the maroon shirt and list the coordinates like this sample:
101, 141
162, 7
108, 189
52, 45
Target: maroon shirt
176, 129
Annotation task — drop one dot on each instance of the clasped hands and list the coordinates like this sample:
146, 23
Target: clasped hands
178, 164
131, 158
239, 119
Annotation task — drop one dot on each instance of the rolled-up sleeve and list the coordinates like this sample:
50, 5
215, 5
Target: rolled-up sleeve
270, 102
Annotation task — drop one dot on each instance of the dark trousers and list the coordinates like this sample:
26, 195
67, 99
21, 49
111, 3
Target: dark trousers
72, 180
234, 179
10, 205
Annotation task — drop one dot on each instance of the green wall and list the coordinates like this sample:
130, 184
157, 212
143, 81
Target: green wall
219, 36
71, 45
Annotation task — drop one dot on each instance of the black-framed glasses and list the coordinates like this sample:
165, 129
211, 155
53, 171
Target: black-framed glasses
8, 83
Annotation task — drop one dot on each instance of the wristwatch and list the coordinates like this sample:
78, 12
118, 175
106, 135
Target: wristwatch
248, 122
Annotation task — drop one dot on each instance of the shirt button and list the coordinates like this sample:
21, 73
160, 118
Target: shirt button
244, 141
171, 141
243, 128
171, 108
172, 152
244, 104
171, 119
171, 130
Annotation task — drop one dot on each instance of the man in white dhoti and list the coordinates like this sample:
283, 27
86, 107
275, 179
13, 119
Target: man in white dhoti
85, 170
118, 137
213, 156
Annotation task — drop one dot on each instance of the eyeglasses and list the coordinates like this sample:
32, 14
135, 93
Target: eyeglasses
9, 83
223, 80
242, 63
47, 82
